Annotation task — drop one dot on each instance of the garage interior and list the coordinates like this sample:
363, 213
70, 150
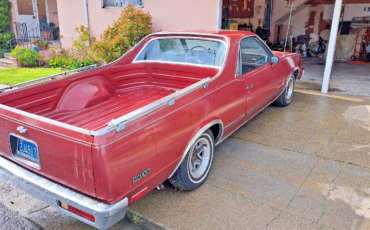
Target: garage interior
332, 37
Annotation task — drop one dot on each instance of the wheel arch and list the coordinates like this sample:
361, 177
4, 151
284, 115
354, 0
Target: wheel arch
295, 72
217, 128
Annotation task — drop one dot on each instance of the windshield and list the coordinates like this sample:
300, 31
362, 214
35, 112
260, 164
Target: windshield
185, 50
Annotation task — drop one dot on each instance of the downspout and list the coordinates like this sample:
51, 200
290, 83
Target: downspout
87, 20
219, 15
86, 14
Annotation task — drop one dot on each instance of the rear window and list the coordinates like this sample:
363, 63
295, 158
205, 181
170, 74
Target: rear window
192, 51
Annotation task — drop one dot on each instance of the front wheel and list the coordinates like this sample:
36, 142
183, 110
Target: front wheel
194, 169
286, 97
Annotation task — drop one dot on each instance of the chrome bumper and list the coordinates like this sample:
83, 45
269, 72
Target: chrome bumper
51, 193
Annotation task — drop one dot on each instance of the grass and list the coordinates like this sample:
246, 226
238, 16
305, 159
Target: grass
15, 75
136, 219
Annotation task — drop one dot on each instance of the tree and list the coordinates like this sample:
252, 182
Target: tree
5, 9
132, 26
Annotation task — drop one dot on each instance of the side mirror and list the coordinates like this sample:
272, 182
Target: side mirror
274, 60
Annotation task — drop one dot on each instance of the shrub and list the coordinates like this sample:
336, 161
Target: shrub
5, 9
7, 40
132, 26
79, 55
27, 57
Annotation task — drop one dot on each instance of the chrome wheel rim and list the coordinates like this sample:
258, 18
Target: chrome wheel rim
289, 90
199, 158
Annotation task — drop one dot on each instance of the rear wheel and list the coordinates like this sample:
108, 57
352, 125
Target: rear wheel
286, 97
194, 169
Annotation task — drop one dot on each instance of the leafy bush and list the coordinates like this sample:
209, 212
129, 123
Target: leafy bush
27, 57
79, 55
5, 9
7, 40
132, 26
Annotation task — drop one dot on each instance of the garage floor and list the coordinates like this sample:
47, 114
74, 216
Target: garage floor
306, 166
348, 77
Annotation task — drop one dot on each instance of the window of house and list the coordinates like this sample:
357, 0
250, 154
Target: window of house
253, 54
121, 3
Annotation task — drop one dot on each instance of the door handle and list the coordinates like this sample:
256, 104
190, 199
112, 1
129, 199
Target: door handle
249, 86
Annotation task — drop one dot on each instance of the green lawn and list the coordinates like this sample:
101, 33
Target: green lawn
15, 75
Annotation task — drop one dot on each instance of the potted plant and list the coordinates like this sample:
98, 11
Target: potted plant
43, 45
46, 30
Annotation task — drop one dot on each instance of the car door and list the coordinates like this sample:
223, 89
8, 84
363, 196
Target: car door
257, 73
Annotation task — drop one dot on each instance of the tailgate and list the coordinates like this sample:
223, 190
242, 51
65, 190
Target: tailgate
64, 155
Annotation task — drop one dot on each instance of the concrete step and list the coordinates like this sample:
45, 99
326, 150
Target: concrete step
6, 62
7, 55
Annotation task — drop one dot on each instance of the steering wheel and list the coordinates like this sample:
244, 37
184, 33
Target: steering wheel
197, 59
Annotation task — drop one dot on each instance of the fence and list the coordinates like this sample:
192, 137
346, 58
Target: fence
20, 35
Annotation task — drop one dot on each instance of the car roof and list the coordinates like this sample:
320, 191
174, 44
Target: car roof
227, 33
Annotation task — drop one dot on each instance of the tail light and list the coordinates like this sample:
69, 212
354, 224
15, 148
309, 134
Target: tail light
77, 211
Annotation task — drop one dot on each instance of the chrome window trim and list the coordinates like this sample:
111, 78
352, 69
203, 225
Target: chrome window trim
240, 58
180, 63
196, 136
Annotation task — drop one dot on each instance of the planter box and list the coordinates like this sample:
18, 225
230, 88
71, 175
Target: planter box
15, 62
43, 47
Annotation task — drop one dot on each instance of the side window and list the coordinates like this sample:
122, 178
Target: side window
253, 54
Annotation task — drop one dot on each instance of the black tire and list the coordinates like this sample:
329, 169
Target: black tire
187, 179
286, 97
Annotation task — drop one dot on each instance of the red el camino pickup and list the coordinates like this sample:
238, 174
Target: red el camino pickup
92, 143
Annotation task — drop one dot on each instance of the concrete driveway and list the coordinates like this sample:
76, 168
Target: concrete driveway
306, 166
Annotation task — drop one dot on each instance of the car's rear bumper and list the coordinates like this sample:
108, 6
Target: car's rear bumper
51, 193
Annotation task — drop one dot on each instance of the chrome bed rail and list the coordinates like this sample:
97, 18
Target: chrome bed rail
51, 77
120, 123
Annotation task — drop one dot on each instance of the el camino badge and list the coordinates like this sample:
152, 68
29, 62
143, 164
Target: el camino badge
140, 176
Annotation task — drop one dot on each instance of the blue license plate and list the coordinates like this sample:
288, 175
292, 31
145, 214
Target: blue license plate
28, 150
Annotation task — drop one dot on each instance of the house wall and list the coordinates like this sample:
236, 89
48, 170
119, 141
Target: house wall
13, 17
167, 15
52, 7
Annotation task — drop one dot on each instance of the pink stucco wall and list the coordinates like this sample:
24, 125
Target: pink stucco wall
13, 17
52, 7
167, 15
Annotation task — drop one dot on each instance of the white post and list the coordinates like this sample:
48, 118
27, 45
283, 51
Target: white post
219, 15
86, 14
332, 43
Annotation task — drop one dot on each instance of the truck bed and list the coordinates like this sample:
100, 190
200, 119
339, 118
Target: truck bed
121, 103
92, 99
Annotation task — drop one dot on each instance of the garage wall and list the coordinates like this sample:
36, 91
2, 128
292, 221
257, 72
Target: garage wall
350, 11
256, 17
167, 15
311, 20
